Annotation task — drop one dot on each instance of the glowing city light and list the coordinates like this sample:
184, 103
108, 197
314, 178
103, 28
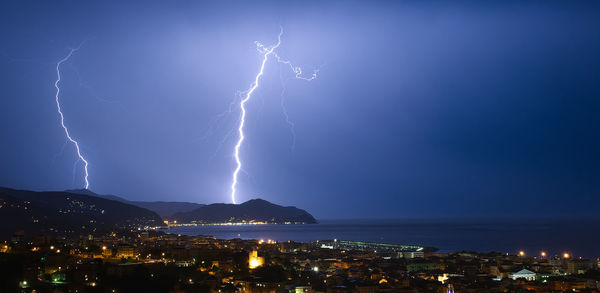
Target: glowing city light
566, 255
62, 117
254, 263
254, 260
521, 253
543, 254
266, 52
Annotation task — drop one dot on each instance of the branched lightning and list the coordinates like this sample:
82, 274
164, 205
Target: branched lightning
266, 52
62, 117
298, 75
295, 69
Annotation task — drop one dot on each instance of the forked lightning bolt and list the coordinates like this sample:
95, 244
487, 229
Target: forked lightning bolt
266, 52
62, 117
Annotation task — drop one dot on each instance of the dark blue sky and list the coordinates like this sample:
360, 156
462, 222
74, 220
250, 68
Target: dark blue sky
421, 108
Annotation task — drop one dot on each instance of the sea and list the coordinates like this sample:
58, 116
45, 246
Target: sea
579, 238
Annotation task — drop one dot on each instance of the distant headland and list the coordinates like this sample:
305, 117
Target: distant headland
84, 212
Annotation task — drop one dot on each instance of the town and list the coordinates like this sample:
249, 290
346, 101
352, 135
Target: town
154, 261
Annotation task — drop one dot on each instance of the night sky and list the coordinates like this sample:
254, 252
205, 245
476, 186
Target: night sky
420, 109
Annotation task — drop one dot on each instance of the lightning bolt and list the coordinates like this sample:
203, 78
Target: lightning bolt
62, 117
266, 52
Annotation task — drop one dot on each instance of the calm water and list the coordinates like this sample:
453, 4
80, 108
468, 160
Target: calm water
579, 237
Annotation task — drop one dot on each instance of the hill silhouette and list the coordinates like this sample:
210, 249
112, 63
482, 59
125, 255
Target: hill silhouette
162, 208
66, 213
257, 210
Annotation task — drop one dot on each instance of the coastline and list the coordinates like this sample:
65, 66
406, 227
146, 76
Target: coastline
533, 236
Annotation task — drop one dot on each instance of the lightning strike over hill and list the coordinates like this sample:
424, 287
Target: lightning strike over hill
266, 52
62, 117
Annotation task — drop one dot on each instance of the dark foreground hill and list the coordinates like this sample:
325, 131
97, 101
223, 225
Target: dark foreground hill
256, 210
162, 208
64, 213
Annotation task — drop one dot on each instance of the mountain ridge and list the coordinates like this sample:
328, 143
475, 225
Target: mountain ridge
66, 213
257, 210
162, 208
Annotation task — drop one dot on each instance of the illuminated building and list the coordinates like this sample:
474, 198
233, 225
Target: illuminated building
523, 274
303, 289
106, 252
254, 260
125, 251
